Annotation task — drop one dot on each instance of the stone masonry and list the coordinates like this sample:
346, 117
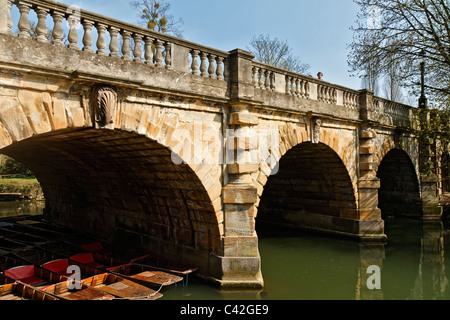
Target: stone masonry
180, 149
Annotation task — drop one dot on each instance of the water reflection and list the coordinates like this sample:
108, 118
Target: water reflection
298, 265
413, 264
21, 207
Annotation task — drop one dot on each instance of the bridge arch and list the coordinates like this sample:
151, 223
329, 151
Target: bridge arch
311, 190
399, 193
120, 183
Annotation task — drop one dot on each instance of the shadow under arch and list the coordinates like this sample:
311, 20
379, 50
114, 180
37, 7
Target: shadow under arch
312, 190
399, 193
125, 188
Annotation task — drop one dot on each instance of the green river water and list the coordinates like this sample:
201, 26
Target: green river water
413, 265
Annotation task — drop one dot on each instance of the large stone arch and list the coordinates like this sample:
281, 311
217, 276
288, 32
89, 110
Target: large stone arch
312, 188
119, 181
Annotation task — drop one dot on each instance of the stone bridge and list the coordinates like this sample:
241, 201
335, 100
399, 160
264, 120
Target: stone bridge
166, 145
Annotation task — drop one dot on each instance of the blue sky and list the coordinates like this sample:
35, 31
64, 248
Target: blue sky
318, 31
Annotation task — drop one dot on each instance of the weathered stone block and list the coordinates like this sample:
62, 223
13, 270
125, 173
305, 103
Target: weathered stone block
368, 134
236, 168
243, 118
35, 106
239, 194
369, 184
367, 149
14, 119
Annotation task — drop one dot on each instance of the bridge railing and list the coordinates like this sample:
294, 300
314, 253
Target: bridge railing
97, 34
114, 38
274, 79
391, 112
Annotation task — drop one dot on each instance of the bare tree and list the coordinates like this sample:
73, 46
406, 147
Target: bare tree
276, 53
154, 14
415, 30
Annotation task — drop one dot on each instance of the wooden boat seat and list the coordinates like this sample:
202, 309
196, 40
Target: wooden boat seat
87, 259
26, 274
59, 266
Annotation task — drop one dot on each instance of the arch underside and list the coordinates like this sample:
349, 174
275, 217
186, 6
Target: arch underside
311, 189
399, 193
125, 188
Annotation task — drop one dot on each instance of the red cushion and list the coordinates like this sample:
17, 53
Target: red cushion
94, 246
59, 266
33, 280
20, 272
86, 258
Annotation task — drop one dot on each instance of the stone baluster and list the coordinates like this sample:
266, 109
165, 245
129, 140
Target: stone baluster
203, 64
288, 83
168, 55
261, 78
297, 87
58, 33
194, 65
148, 50
101, 43
113, 46
41, 28
24, 23
255, 72
9, 22
137, 52
87, 37
126, 49
219, 69
159, 58
211, 68
73, 21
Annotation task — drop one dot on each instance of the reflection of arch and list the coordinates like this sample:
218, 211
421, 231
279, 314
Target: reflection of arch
311, 187
399, 193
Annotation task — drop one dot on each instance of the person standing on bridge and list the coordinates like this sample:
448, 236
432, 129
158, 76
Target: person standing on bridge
320, 75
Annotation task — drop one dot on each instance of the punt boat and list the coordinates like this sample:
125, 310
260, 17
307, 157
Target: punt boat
116, 285
16, 290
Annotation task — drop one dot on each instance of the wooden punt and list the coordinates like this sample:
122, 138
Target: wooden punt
16, 290
121, 287
166, 265
27, 239
108, 282
35, 255
82, 292
146, 275
41, 224
35, 231
10, 245
34, 275
61, 248
122, 256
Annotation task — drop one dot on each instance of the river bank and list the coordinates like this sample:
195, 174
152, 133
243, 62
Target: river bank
20, 188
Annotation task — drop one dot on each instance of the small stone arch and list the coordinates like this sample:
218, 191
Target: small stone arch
399, 193
312, 187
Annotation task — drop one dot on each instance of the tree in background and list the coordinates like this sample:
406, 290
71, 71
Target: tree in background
276, 53
401, 34
397, 36
10, 166
154, 14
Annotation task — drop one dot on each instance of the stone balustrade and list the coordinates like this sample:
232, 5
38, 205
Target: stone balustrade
85, 31
326, 93
115, 39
